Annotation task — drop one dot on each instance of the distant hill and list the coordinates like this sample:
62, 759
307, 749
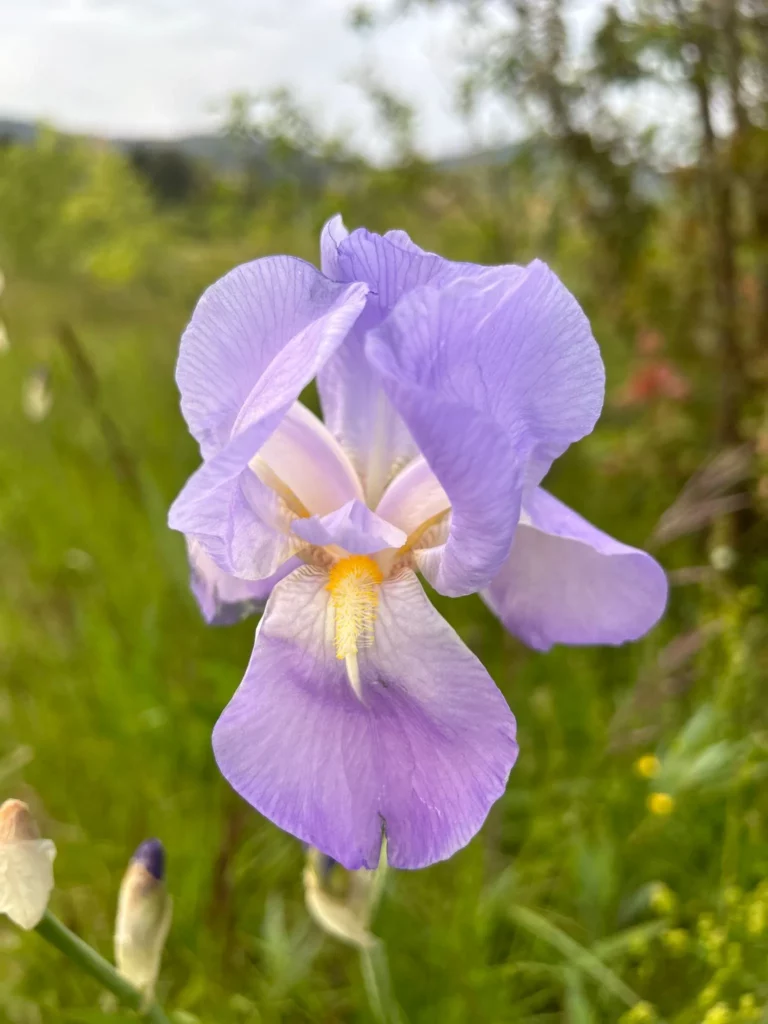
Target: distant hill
225, 154
17, 131
221, 153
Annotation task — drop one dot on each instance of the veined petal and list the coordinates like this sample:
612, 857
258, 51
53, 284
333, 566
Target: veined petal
353, 527
508, 370
393, 265
240, 326
480, 472
422, 756
213, 506
354, 406
225, 599
567, 582
333, 234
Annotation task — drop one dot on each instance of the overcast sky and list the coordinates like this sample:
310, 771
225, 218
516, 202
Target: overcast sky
166, 67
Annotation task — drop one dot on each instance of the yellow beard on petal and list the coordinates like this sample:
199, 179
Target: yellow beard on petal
354, 583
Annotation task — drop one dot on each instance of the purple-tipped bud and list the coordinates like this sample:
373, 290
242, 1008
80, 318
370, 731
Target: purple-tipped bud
143, 917
151, 855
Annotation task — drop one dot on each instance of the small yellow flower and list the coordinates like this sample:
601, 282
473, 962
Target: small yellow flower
661, 804
641, 1013
748, 1010
732, 895
705, 924
756, 918
662, 899
714, 939
708, 995
676, 940
648, 766
720, 1013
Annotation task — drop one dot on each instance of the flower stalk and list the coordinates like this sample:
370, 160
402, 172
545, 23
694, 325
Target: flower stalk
88, 960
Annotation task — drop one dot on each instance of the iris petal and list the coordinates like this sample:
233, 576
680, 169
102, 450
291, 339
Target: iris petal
225, 599
494, 376
422, 757
567, 582
355, 408
216, 506
352, 527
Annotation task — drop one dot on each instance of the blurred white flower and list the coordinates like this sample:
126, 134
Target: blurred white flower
78, 560
144, 912
26, 866
5, 341
722, 558
37, 397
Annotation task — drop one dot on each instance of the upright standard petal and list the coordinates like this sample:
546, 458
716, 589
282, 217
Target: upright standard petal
494, 378
240, 326
333, 234
217, 505
567, 582
421, 758
354, 406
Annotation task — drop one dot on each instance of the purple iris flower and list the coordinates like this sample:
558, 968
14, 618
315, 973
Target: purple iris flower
447, 390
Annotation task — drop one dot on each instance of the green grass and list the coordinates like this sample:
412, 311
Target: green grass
110, 684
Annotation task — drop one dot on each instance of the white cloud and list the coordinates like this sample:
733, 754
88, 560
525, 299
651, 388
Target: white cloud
161, 67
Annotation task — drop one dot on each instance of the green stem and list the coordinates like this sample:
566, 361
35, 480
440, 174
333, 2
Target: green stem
53, 931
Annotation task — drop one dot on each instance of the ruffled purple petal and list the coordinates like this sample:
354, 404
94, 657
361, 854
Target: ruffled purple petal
239, 328
216, 505
567, 582
494, 376
353, 527
422, 757
355, 409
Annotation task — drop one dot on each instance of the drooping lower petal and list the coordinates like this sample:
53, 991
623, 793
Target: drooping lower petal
567, 582
422, 756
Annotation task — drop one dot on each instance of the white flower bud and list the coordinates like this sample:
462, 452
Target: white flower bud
343, 918
26, 866
36, 395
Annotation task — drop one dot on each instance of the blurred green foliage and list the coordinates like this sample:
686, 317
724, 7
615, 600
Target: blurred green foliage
624, 875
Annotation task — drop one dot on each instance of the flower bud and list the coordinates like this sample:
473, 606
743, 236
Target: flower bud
36, 395
143, 917
346, 917
26, 866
